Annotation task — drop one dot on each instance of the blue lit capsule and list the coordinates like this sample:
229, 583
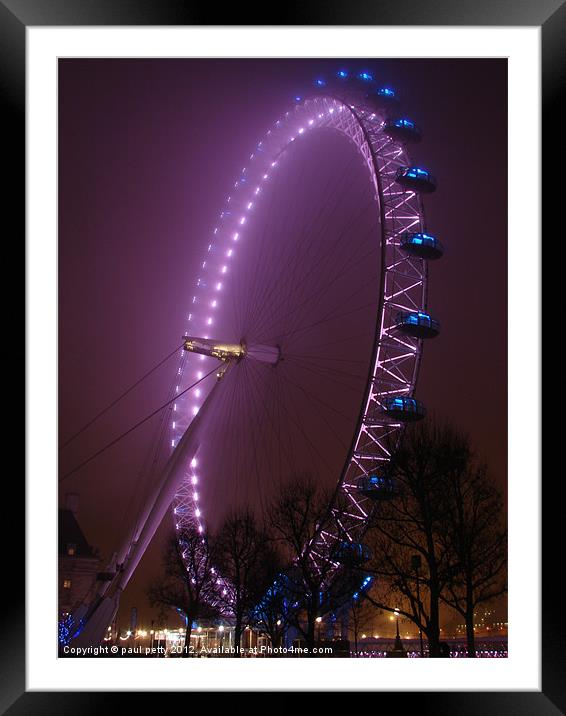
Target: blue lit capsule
377, 487
384, 99
402, 130
351, 553
416, 179
425, 246
404, 408
417, 324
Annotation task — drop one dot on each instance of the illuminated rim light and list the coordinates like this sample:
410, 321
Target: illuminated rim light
396, 357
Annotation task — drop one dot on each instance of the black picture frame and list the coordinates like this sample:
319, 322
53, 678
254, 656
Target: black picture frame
15, 17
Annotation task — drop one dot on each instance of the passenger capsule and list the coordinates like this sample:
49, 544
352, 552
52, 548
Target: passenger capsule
351, 554
416, 179
417, 324
424, 246
377, 487
403, 130
404, 408
384, 98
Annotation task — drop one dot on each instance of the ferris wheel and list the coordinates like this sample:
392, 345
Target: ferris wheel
304, 335
313, 289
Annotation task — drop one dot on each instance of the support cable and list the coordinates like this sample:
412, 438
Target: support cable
119, 398
134, 427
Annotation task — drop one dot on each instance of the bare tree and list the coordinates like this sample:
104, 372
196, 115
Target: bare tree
411, 523
271, 614
245, 561
362, 613
188, 584
298, 516
477, 539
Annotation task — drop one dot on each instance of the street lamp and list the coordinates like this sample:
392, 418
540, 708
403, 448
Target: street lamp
318, 621
416, 565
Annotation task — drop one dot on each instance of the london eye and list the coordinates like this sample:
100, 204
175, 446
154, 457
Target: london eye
314, 286
304, 328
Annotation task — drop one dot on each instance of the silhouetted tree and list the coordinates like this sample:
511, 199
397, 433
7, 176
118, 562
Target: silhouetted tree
449, 514
244, 559
476, 538
188, 584
410, 524
271, 614
362, 615
298, 516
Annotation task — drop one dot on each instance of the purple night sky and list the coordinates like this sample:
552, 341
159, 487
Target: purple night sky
148, 151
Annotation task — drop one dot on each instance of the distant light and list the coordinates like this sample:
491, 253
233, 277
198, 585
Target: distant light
342, 74
365, 76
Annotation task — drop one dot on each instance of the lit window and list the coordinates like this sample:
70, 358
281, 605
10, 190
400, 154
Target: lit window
66, 584
71, 549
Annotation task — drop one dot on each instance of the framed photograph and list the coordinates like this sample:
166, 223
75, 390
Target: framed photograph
282, 321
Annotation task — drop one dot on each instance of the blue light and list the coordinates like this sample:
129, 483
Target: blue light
320, 83
298, 99
365, 76
342, 74
68, 630
385, 92
415, 173
404, 123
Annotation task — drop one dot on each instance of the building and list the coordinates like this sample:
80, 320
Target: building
79, 562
